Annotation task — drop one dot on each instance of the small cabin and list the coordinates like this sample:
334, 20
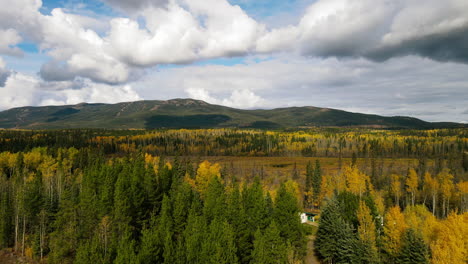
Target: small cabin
306, 216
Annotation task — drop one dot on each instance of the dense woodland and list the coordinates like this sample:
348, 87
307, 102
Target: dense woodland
101, 196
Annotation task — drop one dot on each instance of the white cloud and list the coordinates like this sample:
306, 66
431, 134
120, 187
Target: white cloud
19, 90
433, 91
4, 72
183, 31
116, 51
240, 98
244, 99
377, 29
27, 90
8, 39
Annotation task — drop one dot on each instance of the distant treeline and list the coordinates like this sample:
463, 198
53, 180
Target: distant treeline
443, 143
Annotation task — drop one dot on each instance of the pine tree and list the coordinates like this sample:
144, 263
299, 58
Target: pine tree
194, 235
126, 250
215, 205
335, 241
151, 247
317, 181
89, 252
181, 206
286, 213
269, 247
308, 191
413, 250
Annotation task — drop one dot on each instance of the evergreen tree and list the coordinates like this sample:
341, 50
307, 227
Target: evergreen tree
194, 235
151, 248
269, 248
286, 213
335, 241
126, 250
5, 212
215, 206
182, 202
317, 181
89, 252
308, 191
413, 250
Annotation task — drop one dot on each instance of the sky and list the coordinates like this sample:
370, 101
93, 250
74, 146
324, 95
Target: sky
387, 57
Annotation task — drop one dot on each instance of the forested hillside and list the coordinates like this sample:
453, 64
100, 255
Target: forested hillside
234, 196
189, 113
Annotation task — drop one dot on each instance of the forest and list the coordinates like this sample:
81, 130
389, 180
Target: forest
234, 195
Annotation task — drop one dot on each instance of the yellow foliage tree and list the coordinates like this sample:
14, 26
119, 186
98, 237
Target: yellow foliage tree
446, 189
463, 191
422, 221
366, 229
412, 184
431, 186
206, 171
394, 228
292, 187
152, 162
356, 181
395, 187
451, 243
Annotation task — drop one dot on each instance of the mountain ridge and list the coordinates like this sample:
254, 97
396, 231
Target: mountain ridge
192, 113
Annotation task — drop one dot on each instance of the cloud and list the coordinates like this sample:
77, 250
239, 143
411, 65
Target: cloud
377, 29
135, 5
19, 90
4, 73
27, 90
184, 32
393, 87
8, 39
241, 98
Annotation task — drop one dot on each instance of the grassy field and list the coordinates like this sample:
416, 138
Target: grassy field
273, 170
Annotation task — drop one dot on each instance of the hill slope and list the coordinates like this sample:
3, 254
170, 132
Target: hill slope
189, 113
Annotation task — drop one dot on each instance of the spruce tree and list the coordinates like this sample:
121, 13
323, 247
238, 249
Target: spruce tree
269, 247
286, 214
335, 241
413, 250
308, 192
126, 250
316, 181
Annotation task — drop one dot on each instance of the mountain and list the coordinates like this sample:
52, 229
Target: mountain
189, 113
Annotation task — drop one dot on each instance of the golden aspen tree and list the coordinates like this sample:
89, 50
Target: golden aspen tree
356, 181
366, 228
421, 220
326, 189
446, 188
395, 187
205, 172
379, 202
412, 184
463, 192
451, 243
48, 168
431, 185
152, 162
394, 228
293, 188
